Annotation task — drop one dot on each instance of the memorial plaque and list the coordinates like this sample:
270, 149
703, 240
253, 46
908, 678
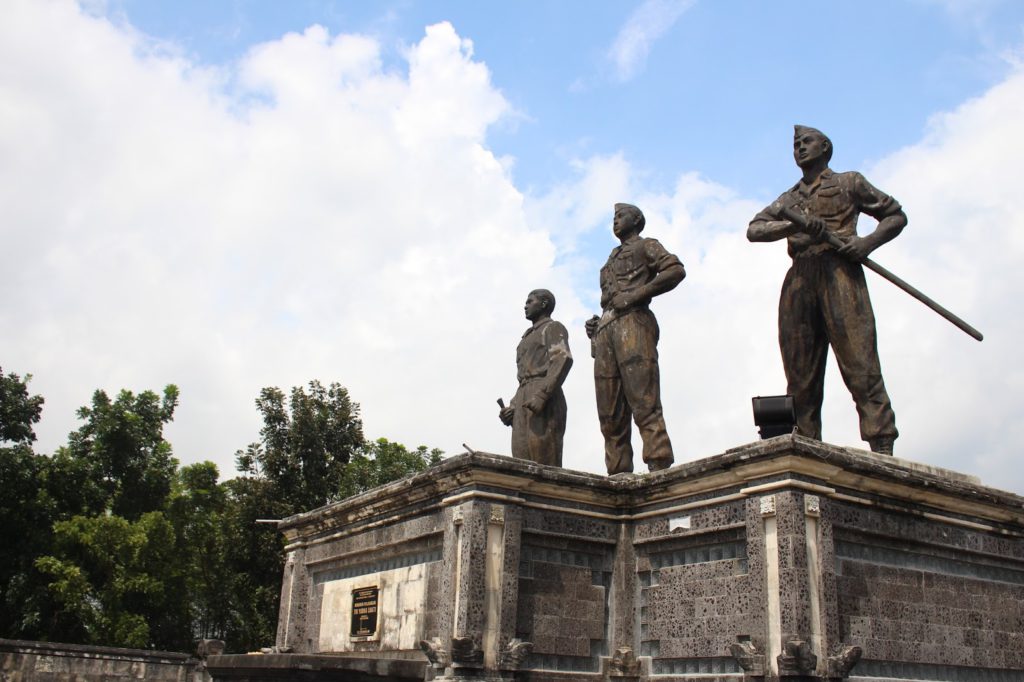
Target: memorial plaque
364, 611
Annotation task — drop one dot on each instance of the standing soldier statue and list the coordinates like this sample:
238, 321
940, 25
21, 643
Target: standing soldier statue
537, 412
625, 344
824, 297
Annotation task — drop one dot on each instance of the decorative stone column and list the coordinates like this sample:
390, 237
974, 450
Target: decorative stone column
841, 658
470, 583
623, 665
291, 620
481, 553
801, 595
793, 587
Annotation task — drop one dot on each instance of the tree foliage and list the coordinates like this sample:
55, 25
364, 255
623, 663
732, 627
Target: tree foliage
255, 559
123, 452
382, 461
127, 549
113, 579
114, 572
304, 445
25, 532
197, 509
18, 410
25, 509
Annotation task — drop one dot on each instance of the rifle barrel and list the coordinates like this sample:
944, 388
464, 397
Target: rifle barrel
798, 218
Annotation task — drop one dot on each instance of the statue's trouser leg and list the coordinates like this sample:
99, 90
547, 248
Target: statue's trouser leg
637, 353
850, 322
520, 426
803, 342
647, 413
612, 410
547, 431
538, 436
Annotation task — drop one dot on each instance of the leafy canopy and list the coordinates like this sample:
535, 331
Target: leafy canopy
18, 410
305, 443
127, 549
120, 451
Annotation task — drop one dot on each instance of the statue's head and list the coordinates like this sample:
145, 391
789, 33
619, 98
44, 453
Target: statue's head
810, 145
627, 217
539, 302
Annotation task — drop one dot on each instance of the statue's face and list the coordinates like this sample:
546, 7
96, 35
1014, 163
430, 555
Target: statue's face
534, 307
808, 149
623, 222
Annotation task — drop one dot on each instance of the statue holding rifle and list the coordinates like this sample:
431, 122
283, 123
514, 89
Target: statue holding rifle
824, 297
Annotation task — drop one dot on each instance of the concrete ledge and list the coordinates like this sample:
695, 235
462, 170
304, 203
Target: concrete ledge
57, 662
89, 651
274, 667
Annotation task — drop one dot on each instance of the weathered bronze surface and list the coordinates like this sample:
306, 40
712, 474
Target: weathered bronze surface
624, 342
537, 412
824, 297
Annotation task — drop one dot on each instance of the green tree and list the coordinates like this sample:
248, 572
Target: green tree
311, 452
382, 461
25, 509
306, 441
145, 554
18, 410
305, 444
115, 574
198, 511
255, 561
118, 458
113, 580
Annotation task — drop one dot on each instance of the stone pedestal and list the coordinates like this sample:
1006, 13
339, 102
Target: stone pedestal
785, 559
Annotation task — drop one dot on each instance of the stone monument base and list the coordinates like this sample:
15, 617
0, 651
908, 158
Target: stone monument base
785, 559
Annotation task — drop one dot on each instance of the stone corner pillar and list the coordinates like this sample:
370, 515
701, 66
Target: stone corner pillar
291, 619
624, 602
482, 547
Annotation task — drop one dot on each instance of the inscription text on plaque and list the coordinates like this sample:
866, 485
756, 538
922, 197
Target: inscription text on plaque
364, 611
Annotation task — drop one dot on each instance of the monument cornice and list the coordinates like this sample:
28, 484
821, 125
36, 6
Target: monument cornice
783, 463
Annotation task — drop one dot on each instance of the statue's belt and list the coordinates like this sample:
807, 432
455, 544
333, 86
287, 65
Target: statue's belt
609, 316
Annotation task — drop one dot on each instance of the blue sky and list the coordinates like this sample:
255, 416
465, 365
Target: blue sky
718, 90
232, 195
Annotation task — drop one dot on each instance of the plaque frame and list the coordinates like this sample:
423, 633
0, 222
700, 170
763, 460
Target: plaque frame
365, 613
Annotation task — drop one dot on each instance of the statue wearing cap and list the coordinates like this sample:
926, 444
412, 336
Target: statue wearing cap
624, 342
824, 297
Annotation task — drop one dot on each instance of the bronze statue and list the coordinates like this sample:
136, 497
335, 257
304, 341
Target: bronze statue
624, 342
537, 412
824, 297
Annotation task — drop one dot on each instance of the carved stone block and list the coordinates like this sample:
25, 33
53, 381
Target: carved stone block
514, 654
840, 665
796, 659
624, 663
465, 652
749, 658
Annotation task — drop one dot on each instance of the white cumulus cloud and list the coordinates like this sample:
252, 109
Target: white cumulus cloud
307, 213
327, 219
648, 22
